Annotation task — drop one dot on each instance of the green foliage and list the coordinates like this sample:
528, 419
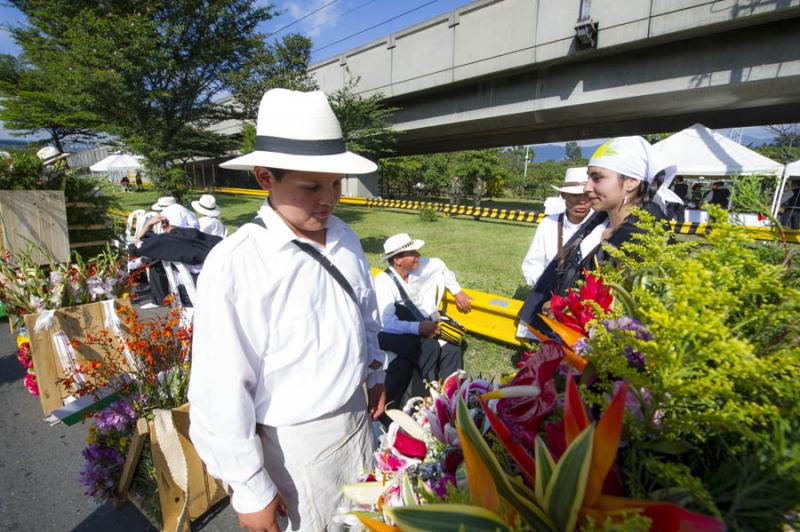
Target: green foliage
365, 121
721, 373
784, 154
539, 178
573, 153
282, 64
630, 522
171, 181
29, 104
428, 215
472, 164
22, 171
151, 72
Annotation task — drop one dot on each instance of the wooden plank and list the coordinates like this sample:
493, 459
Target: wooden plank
88, 244
140, 434
39, 216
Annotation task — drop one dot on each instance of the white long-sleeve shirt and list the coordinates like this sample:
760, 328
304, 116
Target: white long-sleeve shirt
425, 287
277, 341
544, 246
211, 225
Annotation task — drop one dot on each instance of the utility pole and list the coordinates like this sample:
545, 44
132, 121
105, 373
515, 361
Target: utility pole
525, 172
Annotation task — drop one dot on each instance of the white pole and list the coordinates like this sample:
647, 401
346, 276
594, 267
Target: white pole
525, 172
776, 201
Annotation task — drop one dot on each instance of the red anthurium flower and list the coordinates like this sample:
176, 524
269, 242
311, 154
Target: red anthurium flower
575, 311
524, 415
404, 444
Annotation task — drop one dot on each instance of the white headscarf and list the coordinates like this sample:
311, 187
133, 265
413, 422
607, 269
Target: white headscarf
635, 157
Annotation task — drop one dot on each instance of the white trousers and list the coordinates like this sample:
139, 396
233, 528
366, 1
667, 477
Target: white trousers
310, 462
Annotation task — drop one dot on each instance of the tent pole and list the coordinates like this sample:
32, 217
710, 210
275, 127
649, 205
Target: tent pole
776, 201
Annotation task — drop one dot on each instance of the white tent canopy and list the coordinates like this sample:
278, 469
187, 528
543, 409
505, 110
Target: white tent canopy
793, 168
117, 166
118, 161
700, 151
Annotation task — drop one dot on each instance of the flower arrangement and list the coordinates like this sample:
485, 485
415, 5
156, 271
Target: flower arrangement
668, 402
148, 366
27, 287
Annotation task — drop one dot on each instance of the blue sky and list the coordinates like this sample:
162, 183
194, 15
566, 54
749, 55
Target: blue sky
334, 26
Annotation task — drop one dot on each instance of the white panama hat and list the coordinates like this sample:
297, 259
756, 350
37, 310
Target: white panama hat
207, 204
49, 155
163, 202
574, 179
399, 243
298, 131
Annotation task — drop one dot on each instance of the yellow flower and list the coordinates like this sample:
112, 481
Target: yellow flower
22, 339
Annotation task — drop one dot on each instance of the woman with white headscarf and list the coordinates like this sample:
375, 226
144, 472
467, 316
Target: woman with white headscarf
624, 173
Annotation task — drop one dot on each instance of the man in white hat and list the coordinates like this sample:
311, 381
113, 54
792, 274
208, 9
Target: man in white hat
162, 203
209, 221
556, 229
409, 292
287, 374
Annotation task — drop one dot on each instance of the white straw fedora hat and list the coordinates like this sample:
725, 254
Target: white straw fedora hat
399, 243
574, 179
298, 131
163, 202
207, 204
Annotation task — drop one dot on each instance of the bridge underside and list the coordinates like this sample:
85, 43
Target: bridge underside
744, 77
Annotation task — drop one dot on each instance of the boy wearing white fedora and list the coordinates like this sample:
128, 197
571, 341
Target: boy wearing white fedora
285, 331
209, 220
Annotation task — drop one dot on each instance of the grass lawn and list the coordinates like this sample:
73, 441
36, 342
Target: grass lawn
484, 255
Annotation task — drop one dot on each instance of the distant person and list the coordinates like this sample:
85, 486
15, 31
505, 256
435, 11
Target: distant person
719, 195
790, 217
454, 191
125, 183
478, 190
697, 196
209, 221
555, 230
138, 179
677, 211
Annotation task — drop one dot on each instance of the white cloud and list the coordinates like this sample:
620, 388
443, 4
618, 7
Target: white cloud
316, 23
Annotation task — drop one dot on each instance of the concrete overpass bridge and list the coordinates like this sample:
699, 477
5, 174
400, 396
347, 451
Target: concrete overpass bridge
504, 72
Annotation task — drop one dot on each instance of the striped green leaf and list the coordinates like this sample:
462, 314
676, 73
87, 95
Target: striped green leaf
544, 469
446, 518
564, 493
409, 499
528, 511
364, 492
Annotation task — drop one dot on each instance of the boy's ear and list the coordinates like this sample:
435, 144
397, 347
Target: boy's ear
263, 177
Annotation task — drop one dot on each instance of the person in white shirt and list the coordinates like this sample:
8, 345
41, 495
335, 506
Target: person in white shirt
408, 293
209, 221
286, 369
556, 229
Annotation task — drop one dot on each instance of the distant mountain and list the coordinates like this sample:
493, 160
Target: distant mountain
13, 143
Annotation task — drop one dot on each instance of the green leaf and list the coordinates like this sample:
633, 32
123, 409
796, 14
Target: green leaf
409, 499
666, 446
544, 469
446, 518
564, 494
529, 512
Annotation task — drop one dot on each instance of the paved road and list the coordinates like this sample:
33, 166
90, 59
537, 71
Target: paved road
39, 468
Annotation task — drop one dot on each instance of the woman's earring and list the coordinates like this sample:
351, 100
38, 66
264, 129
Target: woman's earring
625, 199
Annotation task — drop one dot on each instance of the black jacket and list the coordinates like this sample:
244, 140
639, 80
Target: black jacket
186, 245
558, 278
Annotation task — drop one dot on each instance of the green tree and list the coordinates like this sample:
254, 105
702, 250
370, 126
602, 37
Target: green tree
782, 154
28, 105
153, 72
653, 138
283, 64
573, 152
485, 164
513, 160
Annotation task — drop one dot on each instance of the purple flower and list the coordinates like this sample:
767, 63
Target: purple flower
116, 416
635, 358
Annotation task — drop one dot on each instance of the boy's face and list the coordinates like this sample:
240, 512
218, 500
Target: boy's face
304, 199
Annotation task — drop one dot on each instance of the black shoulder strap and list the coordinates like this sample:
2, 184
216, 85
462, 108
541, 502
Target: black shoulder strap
406, 300
324, 262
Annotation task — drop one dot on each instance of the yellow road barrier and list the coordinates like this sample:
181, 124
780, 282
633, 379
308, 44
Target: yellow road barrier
512, 215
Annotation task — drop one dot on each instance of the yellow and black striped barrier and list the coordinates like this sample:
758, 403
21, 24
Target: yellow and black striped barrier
511, 215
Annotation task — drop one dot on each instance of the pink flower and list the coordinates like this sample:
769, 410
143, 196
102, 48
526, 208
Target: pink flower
31, 385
